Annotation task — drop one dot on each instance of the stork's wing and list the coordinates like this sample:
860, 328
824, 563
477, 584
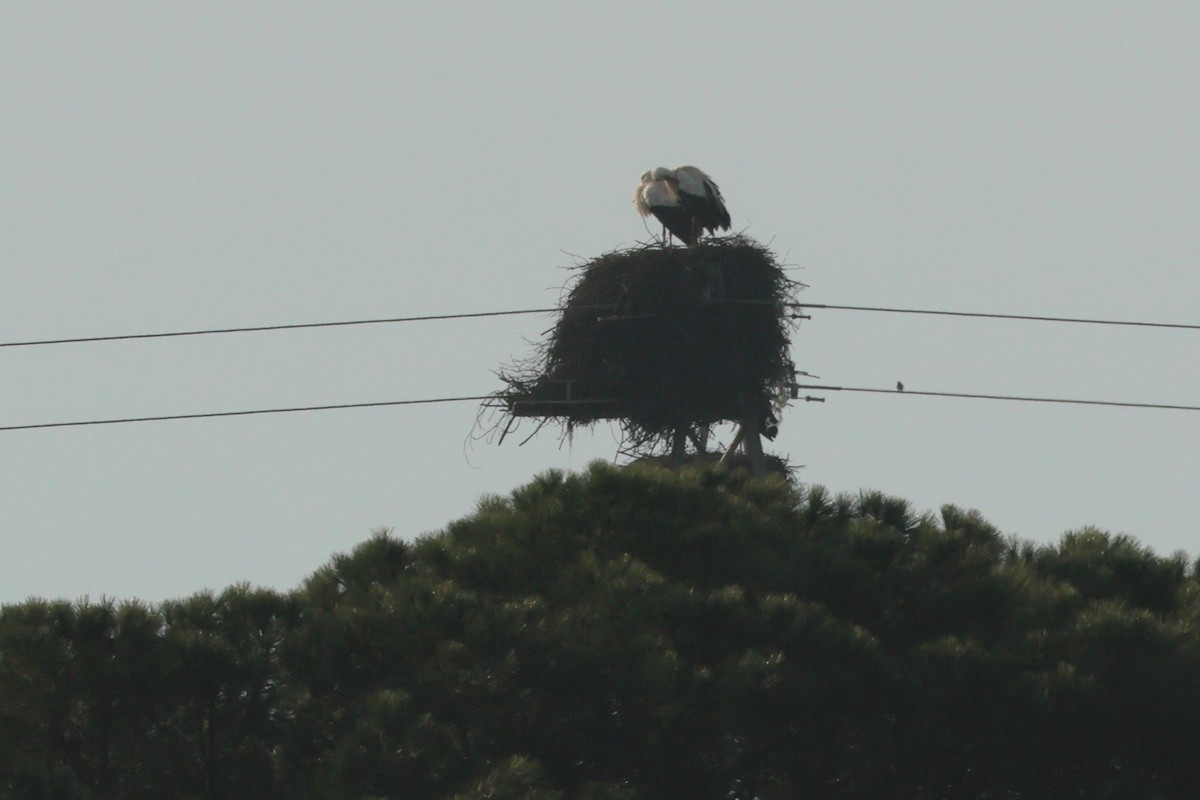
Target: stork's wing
702, 195
677, 219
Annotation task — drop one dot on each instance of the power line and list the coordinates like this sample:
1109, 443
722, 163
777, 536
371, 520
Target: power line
261, 328
483, 314
1015, 398
259, 411
435, 400
986, 315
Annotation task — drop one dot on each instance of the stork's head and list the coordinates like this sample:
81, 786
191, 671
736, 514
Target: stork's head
662, 174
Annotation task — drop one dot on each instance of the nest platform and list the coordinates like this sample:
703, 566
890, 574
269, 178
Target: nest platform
664, 339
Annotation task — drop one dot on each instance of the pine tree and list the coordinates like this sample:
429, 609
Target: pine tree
633, 634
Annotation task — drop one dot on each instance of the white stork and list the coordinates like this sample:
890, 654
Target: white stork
685, 200
700, 195
657, 195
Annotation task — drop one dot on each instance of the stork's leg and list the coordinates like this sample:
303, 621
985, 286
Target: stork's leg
733, 446
752, 444
678, 447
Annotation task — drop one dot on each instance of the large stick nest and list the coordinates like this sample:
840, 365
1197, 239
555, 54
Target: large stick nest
662, 339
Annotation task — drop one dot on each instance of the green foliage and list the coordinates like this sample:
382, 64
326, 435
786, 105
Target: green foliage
517, 778
633, 634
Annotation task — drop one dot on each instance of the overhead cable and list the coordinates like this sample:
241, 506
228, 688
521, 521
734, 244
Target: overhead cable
431, 401
213, 414
987, 315
1015, 398
260, 328
516, 312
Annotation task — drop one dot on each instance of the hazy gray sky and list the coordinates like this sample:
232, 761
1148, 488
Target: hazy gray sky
172, 166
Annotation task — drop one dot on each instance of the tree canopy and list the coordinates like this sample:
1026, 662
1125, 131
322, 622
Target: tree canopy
633, 634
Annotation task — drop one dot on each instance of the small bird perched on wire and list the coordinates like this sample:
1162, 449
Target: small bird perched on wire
685, 200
